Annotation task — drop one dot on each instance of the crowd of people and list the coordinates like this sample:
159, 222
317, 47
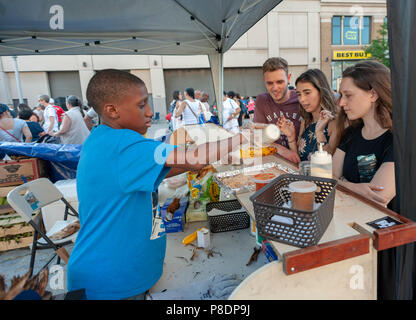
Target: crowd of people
192, 107
47, 122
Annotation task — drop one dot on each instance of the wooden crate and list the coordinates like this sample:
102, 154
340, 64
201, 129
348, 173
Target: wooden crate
14, 232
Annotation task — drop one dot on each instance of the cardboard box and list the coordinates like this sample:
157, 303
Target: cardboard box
11, 172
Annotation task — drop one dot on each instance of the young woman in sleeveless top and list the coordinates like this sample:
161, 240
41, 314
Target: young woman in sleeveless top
318, 109
190, 109
73, 129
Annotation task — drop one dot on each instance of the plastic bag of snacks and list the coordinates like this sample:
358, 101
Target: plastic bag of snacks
202, 186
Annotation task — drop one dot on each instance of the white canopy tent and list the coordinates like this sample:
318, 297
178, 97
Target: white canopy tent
106, 27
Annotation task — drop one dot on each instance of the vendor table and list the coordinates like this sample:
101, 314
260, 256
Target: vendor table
343, 265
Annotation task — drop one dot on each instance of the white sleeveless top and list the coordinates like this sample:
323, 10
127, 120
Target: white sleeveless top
78, 131
188, 116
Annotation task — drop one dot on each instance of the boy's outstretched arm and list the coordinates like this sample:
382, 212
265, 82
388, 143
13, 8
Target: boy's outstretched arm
202, 155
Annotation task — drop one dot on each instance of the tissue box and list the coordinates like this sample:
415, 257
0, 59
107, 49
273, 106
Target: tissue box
176, 224
269, 251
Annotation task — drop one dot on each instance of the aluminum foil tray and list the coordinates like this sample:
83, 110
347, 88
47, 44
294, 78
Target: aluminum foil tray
219, 176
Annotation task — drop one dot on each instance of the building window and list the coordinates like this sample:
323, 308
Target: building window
365, 38
336, 30
351, 30
16, 103
351, 33
338, 68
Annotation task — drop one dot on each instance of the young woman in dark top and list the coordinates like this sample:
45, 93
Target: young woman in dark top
318, 109
35, 128
363, 162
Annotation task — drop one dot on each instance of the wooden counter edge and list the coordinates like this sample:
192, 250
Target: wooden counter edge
389, 237
374, 204
325, 253
394, 236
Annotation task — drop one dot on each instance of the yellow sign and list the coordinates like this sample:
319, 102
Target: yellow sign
351, 35
351, 55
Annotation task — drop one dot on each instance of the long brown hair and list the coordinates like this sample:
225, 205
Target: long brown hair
372, 75
317, 78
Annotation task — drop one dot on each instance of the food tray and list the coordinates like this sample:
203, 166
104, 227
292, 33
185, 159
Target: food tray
219, 176
278, 222
234, 217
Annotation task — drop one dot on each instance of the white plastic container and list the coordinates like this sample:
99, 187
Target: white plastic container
204, 238
266, 136
55, 211
271, 133
321, 163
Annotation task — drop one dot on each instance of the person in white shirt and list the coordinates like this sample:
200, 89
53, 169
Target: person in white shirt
190, 108
73, 129
50, 124
197, 94
204, 101
230, 112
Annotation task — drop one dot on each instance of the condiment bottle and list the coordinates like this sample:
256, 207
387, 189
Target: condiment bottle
321, 163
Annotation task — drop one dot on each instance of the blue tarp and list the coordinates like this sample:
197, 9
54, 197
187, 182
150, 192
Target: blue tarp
63, 158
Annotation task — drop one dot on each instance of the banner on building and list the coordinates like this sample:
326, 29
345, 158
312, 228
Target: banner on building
351, 55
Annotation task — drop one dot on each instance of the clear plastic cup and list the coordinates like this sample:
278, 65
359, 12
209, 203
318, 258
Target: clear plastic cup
305, 168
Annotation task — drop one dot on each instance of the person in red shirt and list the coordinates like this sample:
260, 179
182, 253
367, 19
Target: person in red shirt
59, 110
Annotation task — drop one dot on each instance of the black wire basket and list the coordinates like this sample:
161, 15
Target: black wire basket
227, 221
278, 222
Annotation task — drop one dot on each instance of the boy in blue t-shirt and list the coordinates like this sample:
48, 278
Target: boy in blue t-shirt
115, 255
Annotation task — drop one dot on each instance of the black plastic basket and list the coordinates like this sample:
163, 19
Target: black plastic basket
227, 221
300, 228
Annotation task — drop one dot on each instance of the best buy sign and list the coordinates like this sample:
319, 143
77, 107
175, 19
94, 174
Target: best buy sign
351, 55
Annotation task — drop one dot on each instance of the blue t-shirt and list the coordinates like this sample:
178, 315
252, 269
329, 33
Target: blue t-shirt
113, 256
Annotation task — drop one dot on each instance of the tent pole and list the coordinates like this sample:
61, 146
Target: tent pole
216, 61
16, 72
3, 78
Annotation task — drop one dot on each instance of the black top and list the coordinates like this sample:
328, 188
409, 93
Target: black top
35, 128
364, 157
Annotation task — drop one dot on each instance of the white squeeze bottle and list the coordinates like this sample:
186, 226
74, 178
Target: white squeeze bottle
321, 163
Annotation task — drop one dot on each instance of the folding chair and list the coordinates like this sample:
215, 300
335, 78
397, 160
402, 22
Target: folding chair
27, 200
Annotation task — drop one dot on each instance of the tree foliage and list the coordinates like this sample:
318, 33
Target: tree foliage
379, 48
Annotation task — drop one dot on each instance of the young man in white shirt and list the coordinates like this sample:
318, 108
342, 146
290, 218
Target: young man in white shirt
230, 112
49, 114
